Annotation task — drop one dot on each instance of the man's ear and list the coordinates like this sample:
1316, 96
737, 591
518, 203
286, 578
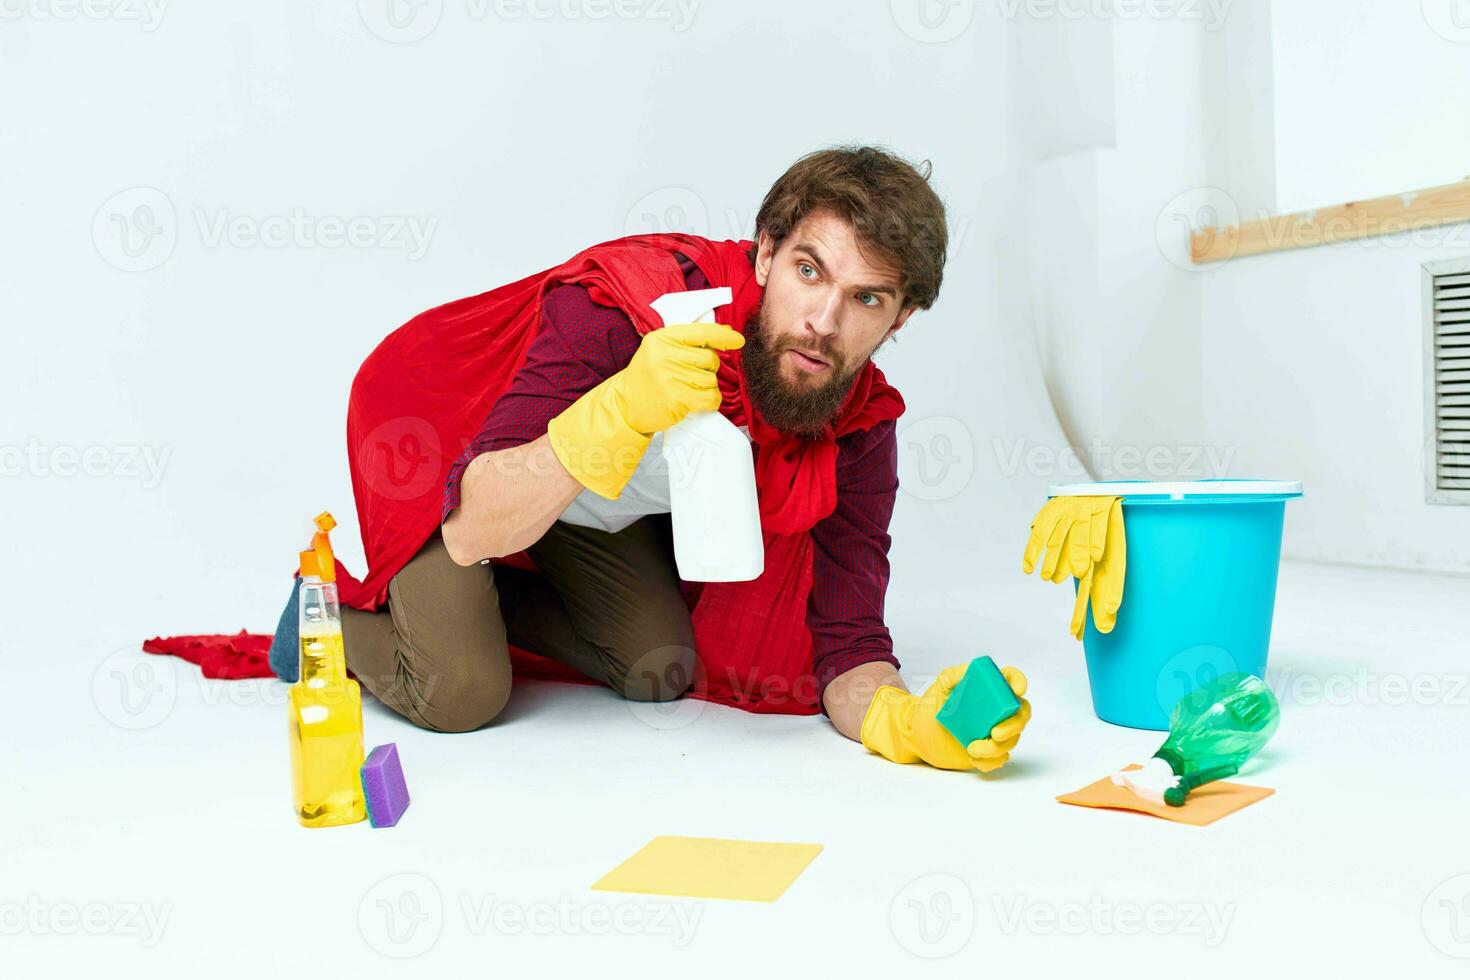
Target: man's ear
903, 317
765, 253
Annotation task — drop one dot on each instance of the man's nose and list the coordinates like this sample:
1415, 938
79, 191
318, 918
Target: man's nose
823, 320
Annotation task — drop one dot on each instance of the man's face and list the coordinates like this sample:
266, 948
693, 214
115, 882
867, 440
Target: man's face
826, 308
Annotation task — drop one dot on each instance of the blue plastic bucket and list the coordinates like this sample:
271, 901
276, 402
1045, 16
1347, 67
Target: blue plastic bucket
1198, 594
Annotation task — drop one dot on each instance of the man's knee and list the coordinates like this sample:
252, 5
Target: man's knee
662, 673
460, 701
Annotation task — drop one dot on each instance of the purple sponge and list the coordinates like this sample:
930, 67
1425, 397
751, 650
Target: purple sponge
383, 786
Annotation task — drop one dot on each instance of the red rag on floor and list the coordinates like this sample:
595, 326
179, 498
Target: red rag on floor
241, 655
221, 655
423, 393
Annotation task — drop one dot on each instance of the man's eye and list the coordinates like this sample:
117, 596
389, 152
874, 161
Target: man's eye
803, 268
864, 298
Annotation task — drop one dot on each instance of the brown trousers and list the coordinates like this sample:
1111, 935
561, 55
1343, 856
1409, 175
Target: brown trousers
606, 604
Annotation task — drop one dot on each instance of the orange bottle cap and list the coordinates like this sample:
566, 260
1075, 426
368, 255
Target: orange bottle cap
317, 560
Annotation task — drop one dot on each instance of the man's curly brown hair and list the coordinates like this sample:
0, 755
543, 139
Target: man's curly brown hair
887, 201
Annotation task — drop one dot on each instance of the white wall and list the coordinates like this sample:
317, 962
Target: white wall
1369, 97
1328, 342
1317, 364
1115, 318
519, 141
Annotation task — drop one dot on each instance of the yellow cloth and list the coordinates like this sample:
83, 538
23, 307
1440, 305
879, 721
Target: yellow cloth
706, 867
1082, 537
902, 727
601, 436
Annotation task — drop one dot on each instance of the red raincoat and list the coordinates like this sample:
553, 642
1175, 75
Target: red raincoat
422, 395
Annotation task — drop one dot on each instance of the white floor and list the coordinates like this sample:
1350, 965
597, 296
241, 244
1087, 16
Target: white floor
146, 829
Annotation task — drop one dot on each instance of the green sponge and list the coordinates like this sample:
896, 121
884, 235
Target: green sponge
980, 701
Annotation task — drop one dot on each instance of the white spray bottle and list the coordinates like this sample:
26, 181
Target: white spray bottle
716, 516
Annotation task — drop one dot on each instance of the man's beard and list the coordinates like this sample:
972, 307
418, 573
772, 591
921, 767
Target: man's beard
805, 412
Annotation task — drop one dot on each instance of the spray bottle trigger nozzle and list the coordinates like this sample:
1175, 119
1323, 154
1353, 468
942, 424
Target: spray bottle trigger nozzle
691, 305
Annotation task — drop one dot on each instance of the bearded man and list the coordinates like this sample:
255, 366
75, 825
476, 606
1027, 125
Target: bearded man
512, 498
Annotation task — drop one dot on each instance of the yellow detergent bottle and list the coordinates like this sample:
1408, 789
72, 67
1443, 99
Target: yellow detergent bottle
325, 705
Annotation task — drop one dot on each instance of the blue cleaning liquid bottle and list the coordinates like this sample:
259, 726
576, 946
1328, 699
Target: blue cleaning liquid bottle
1212, 732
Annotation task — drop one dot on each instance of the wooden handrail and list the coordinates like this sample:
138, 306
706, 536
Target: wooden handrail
1397, 213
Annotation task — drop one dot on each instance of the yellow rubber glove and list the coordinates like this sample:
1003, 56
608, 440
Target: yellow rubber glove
1083, 537
902, 727
1107, 575
601, 436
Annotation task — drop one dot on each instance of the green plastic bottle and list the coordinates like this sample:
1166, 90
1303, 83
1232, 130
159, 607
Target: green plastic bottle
1213, 730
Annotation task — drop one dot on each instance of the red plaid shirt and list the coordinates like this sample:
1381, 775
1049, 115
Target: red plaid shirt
580, 344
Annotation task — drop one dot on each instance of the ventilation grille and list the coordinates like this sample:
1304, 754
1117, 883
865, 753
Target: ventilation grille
1449, 301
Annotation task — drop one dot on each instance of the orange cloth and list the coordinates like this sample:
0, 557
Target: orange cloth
1204, 805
